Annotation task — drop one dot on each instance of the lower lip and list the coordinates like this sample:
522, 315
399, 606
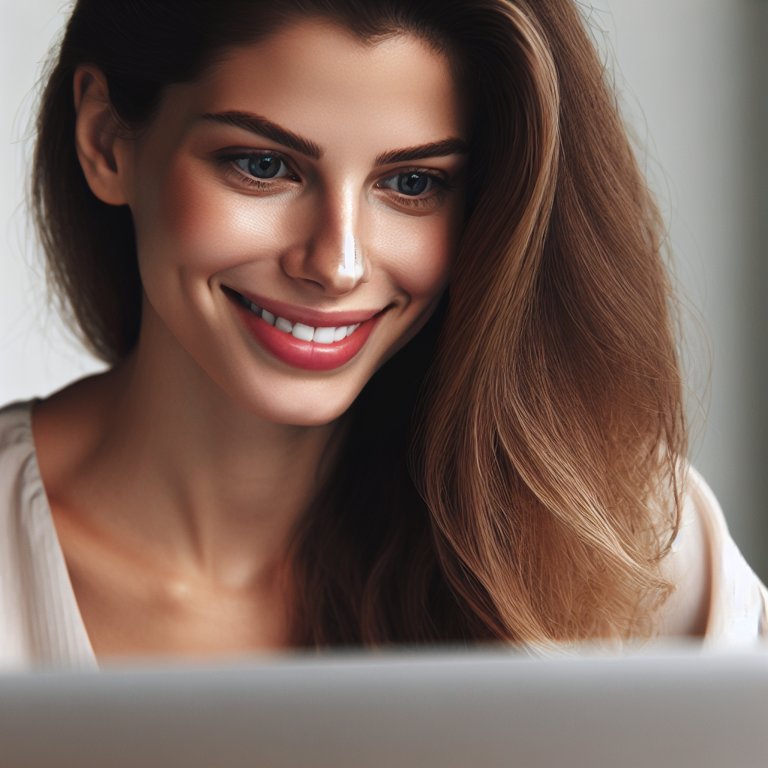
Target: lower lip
306, 354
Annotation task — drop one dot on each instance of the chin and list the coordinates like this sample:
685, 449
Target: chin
299, 411
301, 418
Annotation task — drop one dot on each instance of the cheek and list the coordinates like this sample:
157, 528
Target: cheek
419, 253
198, 222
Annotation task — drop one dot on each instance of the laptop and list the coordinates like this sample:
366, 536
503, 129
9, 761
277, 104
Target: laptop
451, 709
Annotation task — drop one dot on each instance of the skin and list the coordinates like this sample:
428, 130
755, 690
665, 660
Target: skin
174, 480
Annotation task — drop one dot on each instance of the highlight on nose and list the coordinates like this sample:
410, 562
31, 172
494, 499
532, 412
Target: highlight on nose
352, 265
339, 272
333, 261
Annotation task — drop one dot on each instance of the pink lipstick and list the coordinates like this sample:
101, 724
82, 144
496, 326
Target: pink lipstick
304, 338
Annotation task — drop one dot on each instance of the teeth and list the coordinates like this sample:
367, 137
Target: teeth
325, 335
303, 332
322, 335
283, 325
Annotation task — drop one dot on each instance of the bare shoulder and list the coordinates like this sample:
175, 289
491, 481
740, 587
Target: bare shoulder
65, 427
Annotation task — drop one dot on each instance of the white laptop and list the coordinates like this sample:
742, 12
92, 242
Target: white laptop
475, 709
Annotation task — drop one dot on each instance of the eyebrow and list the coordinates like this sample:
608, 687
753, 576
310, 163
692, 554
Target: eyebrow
442, 148
266, 128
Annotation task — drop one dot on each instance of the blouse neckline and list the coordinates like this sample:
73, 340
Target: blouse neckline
57, 622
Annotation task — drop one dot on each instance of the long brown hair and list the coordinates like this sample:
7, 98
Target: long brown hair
512, 474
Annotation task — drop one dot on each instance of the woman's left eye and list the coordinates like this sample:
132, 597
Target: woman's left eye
412, 183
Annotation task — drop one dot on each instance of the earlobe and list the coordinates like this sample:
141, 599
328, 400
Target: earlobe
97, 137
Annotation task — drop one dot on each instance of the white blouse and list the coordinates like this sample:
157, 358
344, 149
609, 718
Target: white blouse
41, 625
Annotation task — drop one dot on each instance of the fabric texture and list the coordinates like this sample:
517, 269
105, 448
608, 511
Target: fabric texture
41, 624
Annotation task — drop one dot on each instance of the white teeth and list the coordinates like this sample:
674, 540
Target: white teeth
283, 325
303, 332
324, 335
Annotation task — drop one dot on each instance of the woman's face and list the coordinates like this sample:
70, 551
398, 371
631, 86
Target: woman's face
296, 212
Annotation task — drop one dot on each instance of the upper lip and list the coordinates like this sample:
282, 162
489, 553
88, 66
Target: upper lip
312, 317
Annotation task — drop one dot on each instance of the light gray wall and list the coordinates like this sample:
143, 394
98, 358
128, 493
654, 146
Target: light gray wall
694, 88
37, 356
692, 80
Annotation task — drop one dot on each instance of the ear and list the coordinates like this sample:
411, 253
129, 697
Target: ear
97, 137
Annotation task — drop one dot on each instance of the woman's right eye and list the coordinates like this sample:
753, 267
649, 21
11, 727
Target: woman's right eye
258, 169
262, 166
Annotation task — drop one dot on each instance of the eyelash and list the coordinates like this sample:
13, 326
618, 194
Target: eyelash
229, 162
441, 184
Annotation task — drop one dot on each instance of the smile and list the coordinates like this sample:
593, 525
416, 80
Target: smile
317, 347
301, 331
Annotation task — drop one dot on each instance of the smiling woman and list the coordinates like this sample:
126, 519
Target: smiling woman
264, 216
381, 290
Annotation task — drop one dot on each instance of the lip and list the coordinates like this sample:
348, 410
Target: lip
307, 355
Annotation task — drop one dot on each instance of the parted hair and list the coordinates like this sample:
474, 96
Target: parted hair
512, 474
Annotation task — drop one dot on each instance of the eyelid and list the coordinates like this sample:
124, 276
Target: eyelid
439, 177
442, 185
227, 159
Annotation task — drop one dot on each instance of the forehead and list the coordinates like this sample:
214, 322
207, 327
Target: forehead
320, 80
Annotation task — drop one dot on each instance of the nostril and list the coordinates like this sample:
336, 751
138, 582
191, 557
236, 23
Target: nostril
334, 270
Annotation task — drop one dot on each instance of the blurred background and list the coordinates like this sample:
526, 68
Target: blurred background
692, 80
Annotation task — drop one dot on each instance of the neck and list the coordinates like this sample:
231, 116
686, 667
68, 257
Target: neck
194, 480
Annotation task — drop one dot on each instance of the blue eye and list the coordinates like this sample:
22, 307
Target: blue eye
411, 184
262, 166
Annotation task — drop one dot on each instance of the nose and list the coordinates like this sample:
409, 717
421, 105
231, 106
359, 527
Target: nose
330, 256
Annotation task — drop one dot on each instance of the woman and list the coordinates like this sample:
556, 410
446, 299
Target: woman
381, 289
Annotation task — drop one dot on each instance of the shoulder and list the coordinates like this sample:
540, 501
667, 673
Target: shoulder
39, 619
14, 418
21, 488
21, 494
17, 454
717, 595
